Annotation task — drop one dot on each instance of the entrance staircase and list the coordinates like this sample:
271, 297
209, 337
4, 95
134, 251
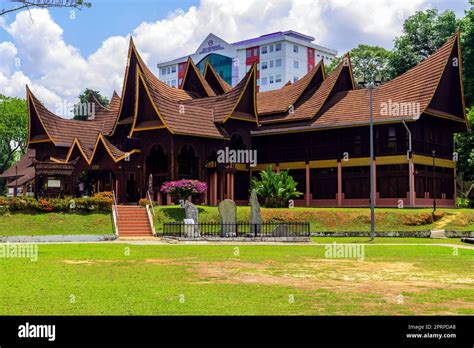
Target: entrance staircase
133, 221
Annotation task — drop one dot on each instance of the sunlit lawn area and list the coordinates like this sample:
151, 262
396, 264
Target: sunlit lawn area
32, 224
100, 279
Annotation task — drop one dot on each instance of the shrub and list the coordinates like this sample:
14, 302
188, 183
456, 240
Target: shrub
274, 190
182, 189
45, 205
3, 201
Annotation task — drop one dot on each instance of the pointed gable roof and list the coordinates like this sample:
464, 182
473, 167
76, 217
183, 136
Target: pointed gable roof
278, 101
106, 116
194, 82
216, 82
310, 104
417, 86
238, 103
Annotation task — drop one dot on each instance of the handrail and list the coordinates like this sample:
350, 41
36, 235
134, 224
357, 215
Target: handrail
151, 202
115, 213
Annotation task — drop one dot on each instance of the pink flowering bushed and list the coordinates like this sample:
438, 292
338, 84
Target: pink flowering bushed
182, 189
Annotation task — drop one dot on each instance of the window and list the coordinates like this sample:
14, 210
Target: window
264, 65
278, 62
264, 49
295, 78
168, 70
181, 67
258, 82
271, 79
296, 64
271, 64
173, 69
264, 81
255, 52
295, 48
278, 47
278, 78
163, 71
173, 83
249, 53
271, 48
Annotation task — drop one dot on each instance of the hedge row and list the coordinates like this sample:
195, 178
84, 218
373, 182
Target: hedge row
100, 202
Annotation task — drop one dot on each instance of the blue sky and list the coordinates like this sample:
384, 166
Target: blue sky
58, 56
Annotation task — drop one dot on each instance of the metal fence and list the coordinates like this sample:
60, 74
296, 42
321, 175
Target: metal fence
235, 230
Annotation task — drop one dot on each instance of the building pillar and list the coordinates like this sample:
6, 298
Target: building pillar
454, 192
168, 200
339, 183
214, 184
375, 182
411, 179
231, 185
308, 185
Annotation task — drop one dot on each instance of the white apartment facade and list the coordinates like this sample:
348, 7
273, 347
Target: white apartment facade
280, 57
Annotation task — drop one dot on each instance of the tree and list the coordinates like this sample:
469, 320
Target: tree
465, 150
467, 45
13, 130
18, 5
84, 99
423, 33
367, 63
274, 190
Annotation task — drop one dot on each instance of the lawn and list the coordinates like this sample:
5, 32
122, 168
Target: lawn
340, 219
32, 224
100, 279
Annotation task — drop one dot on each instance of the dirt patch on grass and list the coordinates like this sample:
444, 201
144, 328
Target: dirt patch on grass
91, 262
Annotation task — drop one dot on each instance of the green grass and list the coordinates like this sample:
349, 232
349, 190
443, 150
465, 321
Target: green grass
386, 240
33, 224
100, 279
339, 219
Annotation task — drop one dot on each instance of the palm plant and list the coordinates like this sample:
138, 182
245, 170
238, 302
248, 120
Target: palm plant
274, 190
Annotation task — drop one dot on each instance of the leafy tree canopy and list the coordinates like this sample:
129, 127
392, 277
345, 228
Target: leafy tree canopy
84, 98
13, 130
368, 63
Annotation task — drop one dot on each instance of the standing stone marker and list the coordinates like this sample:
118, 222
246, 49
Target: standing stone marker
192, 213
228, 216
255, 215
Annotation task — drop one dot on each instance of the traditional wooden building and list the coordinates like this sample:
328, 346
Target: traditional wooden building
317, 127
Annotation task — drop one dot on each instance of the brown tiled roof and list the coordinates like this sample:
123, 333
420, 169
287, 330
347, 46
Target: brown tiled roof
352, 107
222, 106
107, 116
20, 167
63, 131
279, 100
195, 120
27, 175
216, 82
310, 103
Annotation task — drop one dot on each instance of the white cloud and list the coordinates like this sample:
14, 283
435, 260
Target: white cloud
57, 71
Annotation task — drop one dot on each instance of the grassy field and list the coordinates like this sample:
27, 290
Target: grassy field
100, 279
340, 219
32, 224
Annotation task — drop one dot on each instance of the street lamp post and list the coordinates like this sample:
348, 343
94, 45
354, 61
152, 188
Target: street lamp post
371, 86
434, 182
372, 193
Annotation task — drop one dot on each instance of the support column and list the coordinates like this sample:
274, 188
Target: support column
231, 185
339, 183
411, 179
454, 192
375, 182
308, 185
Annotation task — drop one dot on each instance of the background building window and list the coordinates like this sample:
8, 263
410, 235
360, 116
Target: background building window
271, 48
264, 65
264, 49
264, 81
295, 48
295, 78
278, 47
271, 64
296, 64
173, 69
278, 62
249, 53
255, 52
163, 71
271, 79
278, 78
